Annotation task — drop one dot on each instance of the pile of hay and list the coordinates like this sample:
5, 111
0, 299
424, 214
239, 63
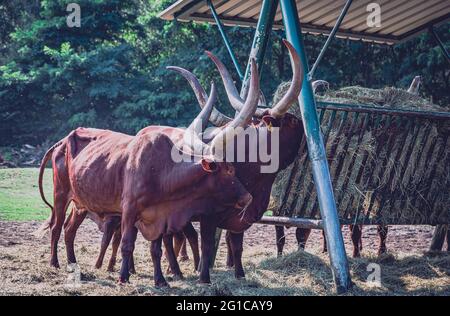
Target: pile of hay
384, 174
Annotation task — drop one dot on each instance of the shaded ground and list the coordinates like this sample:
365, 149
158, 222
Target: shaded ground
406, 271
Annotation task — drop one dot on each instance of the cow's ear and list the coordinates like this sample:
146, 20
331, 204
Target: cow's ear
270, 121
209, 165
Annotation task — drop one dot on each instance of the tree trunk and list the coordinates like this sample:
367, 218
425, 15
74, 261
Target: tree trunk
438, 239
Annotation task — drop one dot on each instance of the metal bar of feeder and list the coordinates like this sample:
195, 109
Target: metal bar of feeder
292, 222
378, 110
225, 39
330, 37
316, 151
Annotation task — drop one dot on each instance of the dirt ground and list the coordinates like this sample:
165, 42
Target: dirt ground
406, 270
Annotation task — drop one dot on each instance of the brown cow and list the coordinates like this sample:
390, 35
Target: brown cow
257, 183
136, 177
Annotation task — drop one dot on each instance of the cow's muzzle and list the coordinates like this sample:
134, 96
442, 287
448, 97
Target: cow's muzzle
243, 202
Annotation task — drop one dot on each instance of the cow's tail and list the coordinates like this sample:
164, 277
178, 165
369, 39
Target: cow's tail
46, 225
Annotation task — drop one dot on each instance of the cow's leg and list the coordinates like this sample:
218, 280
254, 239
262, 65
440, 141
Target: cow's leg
183, 252
356, 233
324, 247
109, 228
59, 213
156, 253
129, 233
302, 235
230, 261
237, 241
174, 267
382, 233
207, 234
115, 247
280, 239
178, 240
192, 236
70, 230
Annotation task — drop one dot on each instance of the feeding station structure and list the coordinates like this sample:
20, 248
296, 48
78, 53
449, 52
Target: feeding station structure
400, 21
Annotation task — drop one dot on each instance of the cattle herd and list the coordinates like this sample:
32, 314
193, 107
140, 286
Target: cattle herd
129, 183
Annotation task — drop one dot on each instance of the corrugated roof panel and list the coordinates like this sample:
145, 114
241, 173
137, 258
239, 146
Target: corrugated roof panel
400, 19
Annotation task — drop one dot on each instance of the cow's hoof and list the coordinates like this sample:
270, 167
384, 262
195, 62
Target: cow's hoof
204, 281
98, 265
162, 284
230, 265
123, 281
132, 271
110, 269
54, 264
176, 277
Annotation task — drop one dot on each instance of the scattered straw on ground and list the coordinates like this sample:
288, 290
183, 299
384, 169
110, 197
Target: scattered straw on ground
24, 268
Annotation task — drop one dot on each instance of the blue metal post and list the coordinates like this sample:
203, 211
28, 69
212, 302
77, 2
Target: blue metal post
330, 38
260, 40
317, 155
225, 39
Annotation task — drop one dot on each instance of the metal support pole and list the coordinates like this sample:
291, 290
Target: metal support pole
225, 39
317, 156
260, 40
330, 37
440, 43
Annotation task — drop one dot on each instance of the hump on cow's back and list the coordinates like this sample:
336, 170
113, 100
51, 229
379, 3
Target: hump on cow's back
151, 146
79, 138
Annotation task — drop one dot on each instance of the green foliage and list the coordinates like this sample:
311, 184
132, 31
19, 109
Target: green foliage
111, 72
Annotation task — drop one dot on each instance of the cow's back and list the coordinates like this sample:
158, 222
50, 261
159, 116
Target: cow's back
97, 171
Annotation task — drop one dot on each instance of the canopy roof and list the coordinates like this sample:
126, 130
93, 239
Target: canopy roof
400, 19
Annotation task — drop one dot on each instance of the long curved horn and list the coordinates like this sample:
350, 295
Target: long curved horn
192, 135
291, 95
217, 118
244, 116
233, 95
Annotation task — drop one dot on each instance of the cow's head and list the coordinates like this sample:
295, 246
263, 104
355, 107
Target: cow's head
222, 182
225, 188
290, 127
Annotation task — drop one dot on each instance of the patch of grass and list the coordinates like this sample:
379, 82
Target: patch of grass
19, 194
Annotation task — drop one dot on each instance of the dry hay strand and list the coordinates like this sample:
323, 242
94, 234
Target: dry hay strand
391, 171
